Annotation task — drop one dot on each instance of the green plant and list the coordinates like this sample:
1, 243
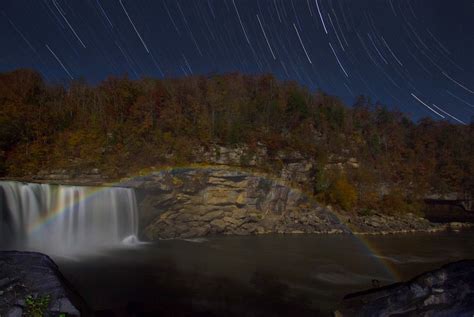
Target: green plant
36, 306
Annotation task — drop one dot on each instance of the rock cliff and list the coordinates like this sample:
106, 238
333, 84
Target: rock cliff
290, 167
185, 203
195, 202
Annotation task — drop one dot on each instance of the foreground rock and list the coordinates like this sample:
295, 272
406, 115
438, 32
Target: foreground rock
448, 291
34, 275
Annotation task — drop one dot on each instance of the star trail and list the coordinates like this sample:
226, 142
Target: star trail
412, 55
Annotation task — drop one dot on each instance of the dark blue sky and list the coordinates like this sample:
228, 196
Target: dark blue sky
416, 55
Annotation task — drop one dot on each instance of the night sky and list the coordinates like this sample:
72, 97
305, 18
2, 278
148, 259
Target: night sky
414, 55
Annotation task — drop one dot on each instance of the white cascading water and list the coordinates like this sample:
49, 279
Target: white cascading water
65, 219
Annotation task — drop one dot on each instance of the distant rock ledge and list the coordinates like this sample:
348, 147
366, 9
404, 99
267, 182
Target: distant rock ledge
448, 291
35, 275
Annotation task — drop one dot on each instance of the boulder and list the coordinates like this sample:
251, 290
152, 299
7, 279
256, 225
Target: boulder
233, 221
218, 225
212, 215
448, 291
26, 278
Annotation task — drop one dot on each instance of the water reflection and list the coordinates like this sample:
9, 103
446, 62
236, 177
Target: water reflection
281, 275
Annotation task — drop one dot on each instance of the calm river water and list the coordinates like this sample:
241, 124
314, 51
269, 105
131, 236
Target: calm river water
254, 275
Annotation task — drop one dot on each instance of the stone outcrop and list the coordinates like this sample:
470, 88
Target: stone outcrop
239, 155
86, 177
448, 291
385, 224
184, 203
293, 166
24, 274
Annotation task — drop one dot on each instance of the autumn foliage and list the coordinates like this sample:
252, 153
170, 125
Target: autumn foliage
122, 125
343, 193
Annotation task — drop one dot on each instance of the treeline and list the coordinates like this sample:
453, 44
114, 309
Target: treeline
123, 125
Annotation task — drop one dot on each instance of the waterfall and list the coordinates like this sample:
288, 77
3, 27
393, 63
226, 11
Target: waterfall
59, 218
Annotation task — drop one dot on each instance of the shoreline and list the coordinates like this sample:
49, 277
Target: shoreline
443, 228
446, 227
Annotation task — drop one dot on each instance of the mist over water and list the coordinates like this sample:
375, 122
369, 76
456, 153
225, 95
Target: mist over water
58, 219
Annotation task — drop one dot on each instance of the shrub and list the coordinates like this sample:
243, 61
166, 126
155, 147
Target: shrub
36, 306
396, 203
342, 193
369, 199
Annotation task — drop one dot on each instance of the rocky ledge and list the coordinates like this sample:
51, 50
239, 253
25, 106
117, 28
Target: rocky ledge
195, 202
31, 285
448, 291
385, 224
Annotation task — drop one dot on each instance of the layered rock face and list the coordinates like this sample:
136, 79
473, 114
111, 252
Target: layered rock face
448, 291
290, 166
293, 166
87, 177
35, 275
184, 203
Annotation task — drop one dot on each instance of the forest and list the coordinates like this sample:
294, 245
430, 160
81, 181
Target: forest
121, 126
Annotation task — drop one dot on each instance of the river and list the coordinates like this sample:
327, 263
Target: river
258, 275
